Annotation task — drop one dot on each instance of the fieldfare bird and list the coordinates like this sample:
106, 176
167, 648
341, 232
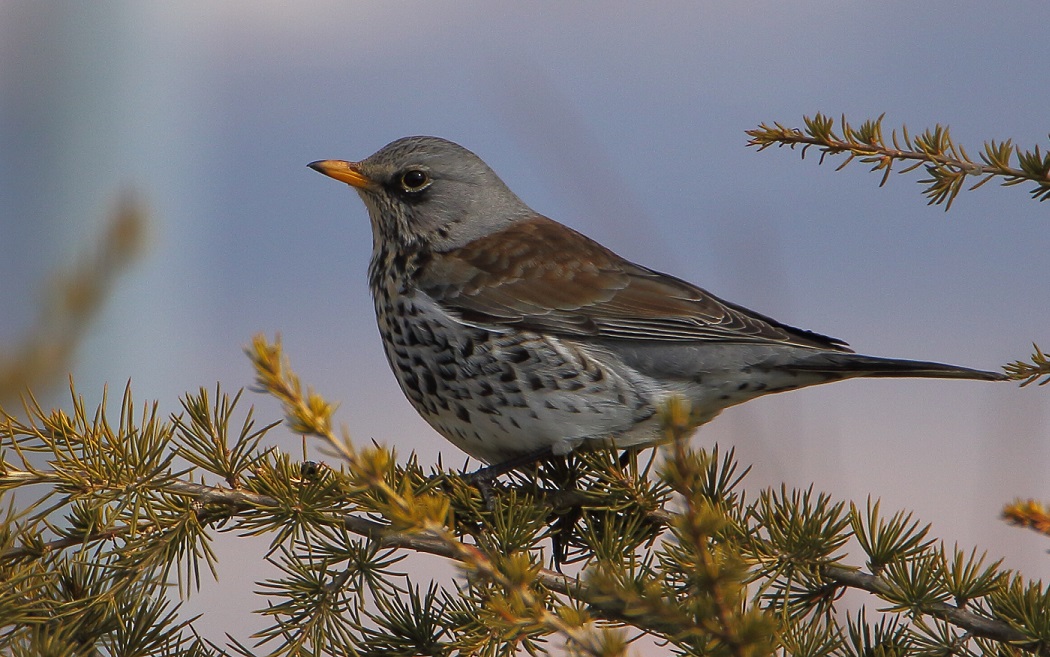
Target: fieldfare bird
515, 336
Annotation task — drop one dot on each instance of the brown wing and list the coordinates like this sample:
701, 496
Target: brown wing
541, 275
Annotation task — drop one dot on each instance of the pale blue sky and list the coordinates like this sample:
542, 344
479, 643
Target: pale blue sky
624, 121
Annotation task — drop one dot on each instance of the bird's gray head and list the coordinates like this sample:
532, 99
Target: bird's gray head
428, 191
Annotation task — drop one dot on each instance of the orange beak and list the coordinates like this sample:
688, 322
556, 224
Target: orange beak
348, 172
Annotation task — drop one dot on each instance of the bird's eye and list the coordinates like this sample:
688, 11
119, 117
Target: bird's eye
414, 180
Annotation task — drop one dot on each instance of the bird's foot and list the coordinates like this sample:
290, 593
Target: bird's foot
482, 478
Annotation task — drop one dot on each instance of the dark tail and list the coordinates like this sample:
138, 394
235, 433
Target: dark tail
856, 365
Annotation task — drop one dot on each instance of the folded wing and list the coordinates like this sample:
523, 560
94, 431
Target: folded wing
540, 275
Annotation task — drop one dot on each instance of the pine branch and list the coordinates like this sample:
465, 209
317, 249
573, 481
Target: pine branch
73, 298
557, 582
947, 164
388, 537
718, 575
977, 625
1028, 373
1028, 513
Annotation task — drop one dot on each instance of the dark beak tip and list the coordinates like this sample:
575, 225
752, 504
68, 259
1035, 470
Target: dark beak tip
316, 165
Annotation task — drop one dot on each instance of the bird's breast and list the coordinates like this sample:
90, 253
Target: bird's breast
500, 394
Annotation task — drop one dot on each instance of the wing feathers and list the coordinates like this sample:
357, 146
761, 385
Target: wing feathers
541, 275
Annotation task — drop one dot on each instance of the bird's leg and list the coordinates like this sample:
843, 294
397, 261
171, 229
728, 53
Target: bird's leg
482, 478
625, 457
487, 474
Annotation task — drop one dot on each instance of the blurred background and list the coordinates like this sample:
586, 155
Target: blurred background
623, 121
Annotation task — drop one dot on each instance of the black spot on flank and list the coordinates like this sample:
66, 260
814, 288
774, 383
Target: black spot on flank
517, 354
462, 413
572, 385
723, 397
485, 389
742, 386
466, 349
514, 422
429, 382
508, 374
549, 404
535, 382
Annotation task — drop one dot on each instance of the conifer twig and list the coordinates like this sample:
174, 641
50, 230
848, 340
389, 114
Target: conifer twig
1028, 373
74, 297
947, 163
567, 585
